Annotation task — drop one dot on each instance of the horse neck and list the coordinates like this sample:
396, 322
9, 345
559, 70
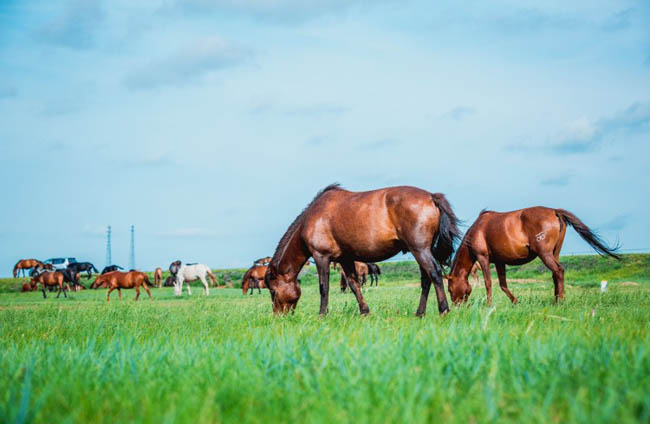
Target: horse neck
294, 256
463, 262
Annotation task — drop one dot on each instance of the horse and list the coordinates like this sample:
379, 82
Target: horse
50, 278
262, 261
189, 273
24, 264
83, 266
516, 238
71, 276
27, 287
254, 279
157, 277
110, 268
40, 268
174, 267
362, 274
122, 280
169, 281
374, 272
343, 226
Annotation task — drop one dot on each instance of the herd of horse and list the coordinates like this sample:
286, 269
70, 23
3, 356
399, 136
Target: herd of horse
351, 231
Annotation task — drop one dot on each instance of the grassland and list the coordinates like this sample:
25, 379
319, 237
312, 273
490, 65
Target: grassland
225, 358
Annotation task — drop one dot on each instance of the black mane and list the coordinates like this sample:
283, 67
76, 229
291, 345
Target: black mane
296, 223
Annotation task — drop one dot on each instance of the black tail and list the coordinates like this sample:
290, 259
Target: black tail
448, 232
587, 234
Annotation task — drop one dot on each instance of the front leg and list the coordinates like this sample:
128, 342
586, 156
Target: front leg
484, 262
323, 267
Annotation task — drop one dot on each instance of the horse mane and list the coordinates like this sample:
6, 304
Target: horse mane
284, 241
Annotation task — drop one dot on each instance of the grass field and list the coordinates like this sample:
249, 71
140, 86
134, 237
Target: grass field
225, 358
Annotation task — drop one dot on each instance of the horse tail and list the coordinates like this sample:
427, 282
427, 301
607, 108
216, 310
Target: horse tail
448, 232
16, 268
244, 280
587, 234
146, 279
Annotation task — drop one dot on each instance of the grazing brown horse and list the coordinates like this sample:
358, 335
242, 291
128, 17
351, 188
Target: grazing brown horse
50, 279
122, 280
343, 226
24, 264
157, 277
362, 274
516, 238
254, 279
27, 287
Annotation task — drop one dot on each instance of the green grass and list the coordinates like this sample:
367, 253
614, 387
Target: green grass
225, 358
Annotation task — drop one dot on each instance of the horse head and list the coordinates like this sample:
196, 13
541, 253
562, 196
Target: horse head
284, 288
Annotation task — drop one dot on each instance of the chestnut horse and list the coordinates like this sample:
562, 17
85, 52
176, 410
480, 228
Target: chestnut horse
516, 238
24, 264
157, 277
122, 280
254, 279
50, 279
362, 274
374, 272
343, 226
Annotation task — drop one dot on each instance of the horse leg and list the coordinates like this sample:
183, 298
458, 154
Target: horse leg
484, 262
43, 287
108, 295
351, 278
137, 293
430, 272
501, 272
344, 283
205, 285
147, 290
119, 292
259, 289
323, 268
558, 274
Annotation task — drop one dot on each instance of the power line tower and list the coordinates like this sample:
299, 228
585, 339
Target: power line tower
108, 246
132, 256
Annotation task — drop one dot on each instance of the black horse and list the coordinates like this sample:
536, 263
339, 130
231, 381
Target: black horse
71, 276
83, 266
169, 281
111, 268
373, 272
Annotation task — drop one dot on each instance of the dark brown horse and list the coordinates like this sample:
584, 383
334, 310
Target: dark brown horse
50, 279
254, 279
343, 226
122, 280
157, 277
24, 264
373, 273
516, 238
362, 275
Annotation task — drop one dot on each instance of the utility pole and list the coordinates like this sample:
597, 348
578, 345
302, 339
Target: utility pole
108, 246
132, 256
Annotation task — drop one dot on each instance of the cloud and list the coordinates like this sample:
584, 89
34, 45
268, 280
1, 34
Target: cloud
190, 232
276, 11
317, 141
584, 135
188, 63
385, 143
558, 181
619, 20
75, 28
459, 113
7, 92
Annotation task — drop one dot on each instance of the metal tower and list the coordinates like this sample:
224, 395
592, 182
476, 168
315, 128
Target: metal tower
132, 256
108, 246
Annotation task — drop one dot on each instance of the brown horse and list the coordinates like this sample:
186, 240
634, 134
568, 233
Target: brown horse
50, 279
516, 238
362, 274
263, 261
24, 264
254, 279
27, 287
122, 280
157, 277
343, 226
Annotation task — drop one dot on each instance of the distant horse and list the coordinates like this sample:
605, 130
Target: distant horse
122, 280
24, 264
50, 278
263, 261
174, 267
374, 272
157, 277
189, 273
40, 268
83, 266
71, 276
27, 287
111, 268
169, 281
474, 272
362, 274
343, 226
516, 238
254, 279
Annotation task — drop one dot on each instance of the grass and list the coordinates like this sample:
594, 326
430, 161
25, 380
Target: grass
225, 358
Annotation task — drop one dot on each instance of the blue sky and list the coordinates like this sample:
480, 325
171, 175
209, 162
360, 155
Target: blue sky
209, 124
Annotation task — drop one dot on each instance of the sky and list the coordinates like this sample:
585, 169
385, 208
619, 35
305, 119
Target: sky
210, 124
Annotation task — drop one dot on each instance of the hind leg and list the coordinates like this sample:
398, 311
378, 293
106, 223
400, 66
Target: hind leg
147, 290
430, 272
558, 274
137, 293
501, 272
205, 285
351, 279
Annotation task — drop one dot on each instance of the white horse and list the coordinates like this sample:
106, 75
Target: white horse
189, 273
